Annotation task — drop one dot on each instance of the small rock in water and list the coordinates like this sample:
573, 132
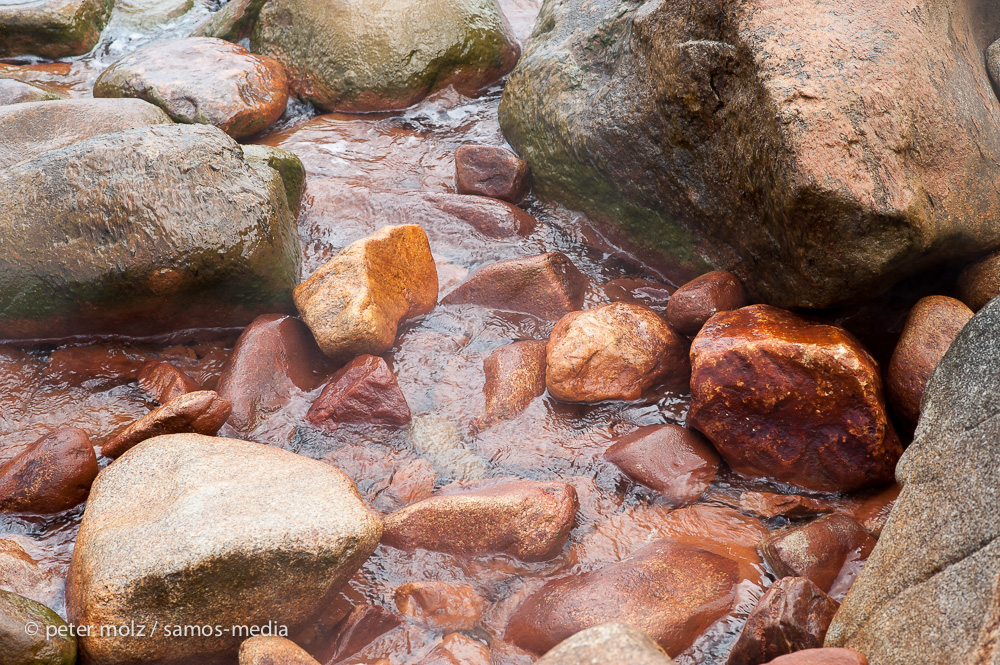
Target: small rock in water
526, 519
272, 650
411, 482
52, 475
438, 439
52, 29
492, 218
18, 92
608, 643
164, 382
613, 352
364, 624
362, 392
768, 504
202, 80
655, 295
201, 412
487, 170
21, 574
826, 656
458, 649
439, 605
697, 301
49, 643
515, 375
354, 303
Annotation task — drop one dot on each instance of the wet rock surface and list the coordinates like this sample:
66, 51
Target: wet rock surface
269, 650
53, 474
611, 642
363, 391
21, 648
697, 301
20, 573
515, 376
825, 656
164, 382
200, 412
490, 171
51, 29
17, 92
440, 605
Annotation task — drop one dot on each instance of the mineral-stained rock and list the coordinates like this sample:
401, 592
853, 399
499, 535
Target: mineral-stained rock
288, 166
364, 624
764, 136
979, 283
52, 28
826, 551
697, 301
21, 646
487, 170
492, 218
458, 649
51, 475
606, 644
827, 656
440, 605
363, 391
18, 92
163, 382
192, 530
200, 412
515, 375
271, 650
792, 400
768, 504
21, 574
874, 511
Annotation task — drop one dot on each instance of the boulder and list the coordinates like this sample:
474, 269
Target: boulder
827, 551
177, 231
202, 80
233, 21
487, 170
613, 352
272, 650
440, 606
200, 412
362, 392
785, 398
515, 375
52, 28
163, 382
697, 301
606, 644
51, 475
192, 530
355, 302
287, 164
25, 628
350, 56
765, 138
18, 92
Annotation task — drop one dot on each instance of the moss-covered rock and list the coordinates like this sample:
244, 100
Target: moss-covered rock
25, 627
288, 164
52, 28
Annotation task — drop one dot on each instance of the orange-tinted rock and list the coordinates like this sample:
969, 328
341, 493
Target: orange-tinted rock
784, 398
697, 301
546, 285
606, 644
457, 649
96, 365
356, 301
362, 626
52, 475
21, 574
487, 170
615, 351
671, 591
827, 656
932, 326
874, 510
768, 504
979, 283
492, 218
654, 295
515, 375
275, 356
202, 80
439, 605
674, 461
272, 650
828, 551
792, 615
526, 519
411, 482
201, 412
363, 391
163, 382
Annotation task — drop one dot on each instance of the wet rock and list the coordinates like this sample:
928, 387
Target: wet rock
655, 295
52, 29
201, 412
202, 80
363, 625
827, 656
615, 351
354, 303
96, 365
18, 92
274, 356
164, 382
993, 63
670, 590
674, 461
457, 649
515, 375
219, 519
233, 21
525, 519
177, 231
30, 129
21, 647
288, 166
933, 324
768, 504
979, 283
784, 398
21, 574
605, 644
422, 46
824, 206
697, 301
494, 219
792, 615
271, 650
52, 475
546, 285
438, 439
148, 15
873, 513
411, 482
362, 392
439, 605
487, 170
828, 551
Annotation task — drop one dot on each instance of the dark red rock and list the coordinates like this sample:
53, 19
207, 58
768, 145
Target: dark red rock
457, 649
362, 626
52, 475
96, 365
492, 218
201, 412
546, 285
654, 295
674, 461
163, 382
767, 504
526, 519
362, 392
515, 375
827, 656
697, 301
792, 615
274, 356
932, 326
874, 510
439, 605
784, 398
488, 170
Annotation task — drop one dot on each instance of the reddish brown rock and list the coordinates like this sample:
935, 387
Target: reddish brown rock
606, 644
979, 283
792, 615
363, 391
515, 375
202, 80
52, 475
163, 382
827, 656
487, 170
18, 92
201, 412
784, 398
96, 365
272, 650
492, 218
767, 504
362, 626
526, 519
411, 482
654, 295
547, 286
615, 351
457, 649
674, 461
21, 574
439, 605
670, 590
697, 301
275, 356
932, 326
874, 510
828, 551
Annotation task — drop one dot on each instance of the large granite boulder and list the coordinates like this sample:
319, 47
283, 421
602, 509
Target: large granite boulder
187, 530
928, 593
143, 231
51, 28
818, 149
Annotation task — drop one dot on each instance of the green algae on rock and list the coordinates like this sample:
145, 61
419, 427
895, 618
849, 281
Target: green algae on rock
24, 625
51, 28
